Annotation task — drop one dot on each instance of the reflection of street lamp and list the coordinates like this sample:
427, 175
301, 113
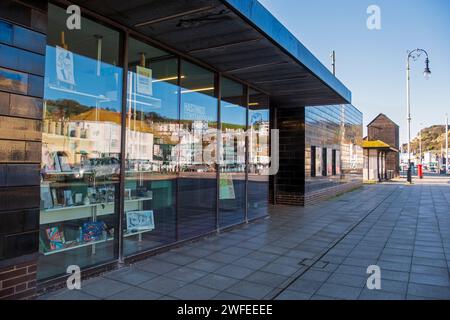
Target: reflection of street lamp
415, 54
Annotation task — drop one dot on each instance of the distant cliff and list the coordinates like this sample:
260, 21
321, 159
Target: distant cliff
433, 139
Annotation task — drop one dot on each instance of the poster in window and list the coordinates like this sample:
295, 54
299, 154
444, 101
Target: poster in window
226, 187
64, 66
144, 81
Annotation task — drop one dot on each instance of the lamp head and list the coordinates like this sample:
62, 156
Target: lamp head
427, 72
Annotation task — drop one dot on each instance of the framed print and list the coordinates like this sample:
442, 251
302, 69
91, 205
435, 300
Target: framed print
46, 197
93, 231
68, 201
55, 197
78, 198
140, 221
55, 237
64, 163
50, 161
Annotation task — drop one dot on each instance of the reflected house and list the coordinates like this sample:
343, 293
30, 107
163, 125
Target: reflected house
96, 133
152, 126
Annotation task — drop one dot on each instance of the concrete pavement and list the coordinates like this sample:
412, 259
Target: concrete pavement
319, 252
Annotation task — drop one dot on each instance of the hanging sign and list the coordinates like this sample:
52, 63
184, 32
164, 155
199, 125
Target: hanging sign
144, 81
64, 66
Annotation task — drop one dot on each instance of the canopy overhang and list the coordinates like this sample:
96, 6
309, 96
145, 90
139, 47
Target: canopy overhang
239, 38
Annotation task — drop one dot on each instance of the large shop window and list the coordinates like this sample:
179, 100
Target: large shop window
81, 146
151, 148
258, 154
233, 116
197, 184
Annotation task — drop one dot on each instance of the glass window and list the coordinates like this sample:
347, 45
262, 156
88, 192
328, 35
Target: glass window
319, 160
233, 116
80, 146
334, 168
324, 162
313, 161
329, 162
259, 154
197, 183
151, 148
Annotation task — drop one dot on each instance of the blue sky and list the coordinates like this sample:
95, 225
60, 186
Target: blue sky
372, 63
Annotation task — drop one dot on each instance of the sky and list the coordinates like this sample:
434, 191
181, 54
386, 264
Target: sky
372, 63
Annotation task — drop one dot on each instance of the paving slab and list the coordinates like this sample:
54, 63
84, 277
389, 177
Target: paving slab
320, 252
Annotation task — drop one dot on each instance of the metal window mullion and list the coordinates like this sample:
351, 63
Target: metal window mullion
246, 102
119, 233
218, 94
177, 180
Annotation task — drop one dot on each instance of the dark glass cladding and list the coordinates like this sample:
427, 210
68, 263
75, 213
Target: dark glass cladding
333, 136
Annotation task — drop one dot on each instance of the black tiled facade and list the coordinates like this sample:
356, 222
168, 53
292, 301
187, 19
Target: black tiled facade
335, 131
290, 180
22, 62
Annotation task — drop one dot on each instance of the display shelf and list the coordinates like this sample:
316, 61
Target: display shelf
138, 233
86, 244
81, 245
56, 215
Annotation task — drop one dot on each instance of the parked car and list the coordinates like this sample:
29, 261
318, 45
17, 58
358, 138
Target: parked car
102, 167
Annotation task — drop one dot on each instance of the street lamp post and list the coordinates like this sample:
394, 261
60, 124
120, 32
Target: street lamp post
446, 144
420, 143
415, 54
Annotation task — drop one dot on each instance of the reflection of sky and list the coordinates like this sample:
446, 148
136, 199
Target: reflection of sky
105, 91
164, 100
258, 115
89, 89
233, 114
204, 103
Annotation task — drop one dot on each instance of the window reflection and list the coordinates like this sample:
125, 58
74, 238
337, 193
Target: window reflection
233, 115
259, 154
81, 146
197, 152
151, 148
171, 159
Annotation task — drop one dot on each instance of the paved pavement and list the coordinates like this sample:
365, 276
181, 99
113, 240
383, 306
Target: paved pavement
319, 252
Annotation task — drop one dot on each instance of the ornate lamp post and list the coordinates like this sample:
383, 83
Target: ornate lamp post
415, 54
